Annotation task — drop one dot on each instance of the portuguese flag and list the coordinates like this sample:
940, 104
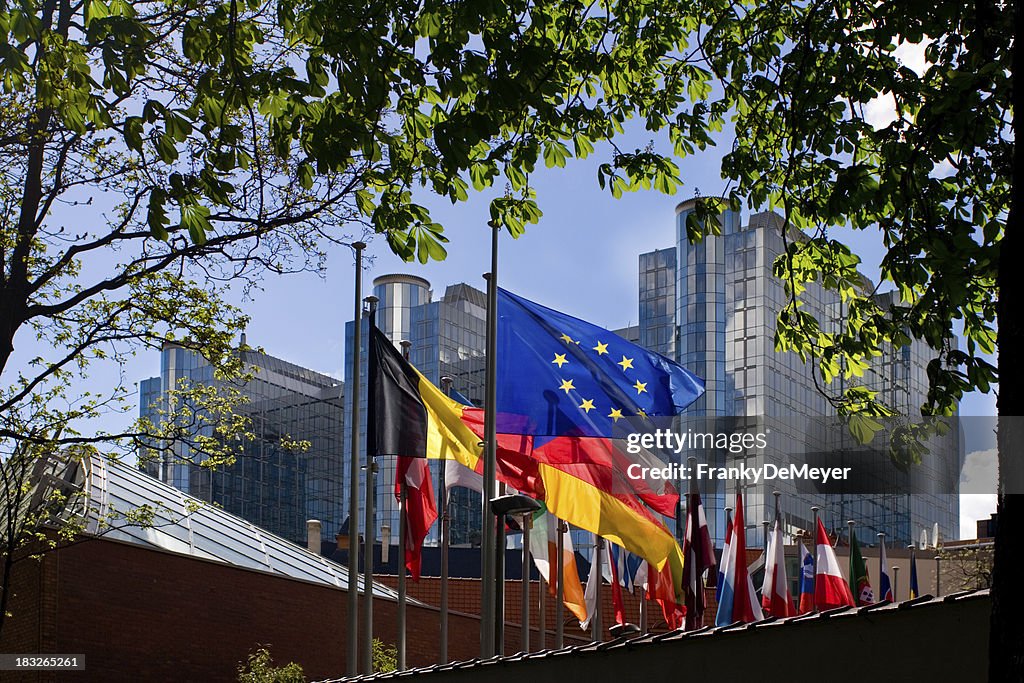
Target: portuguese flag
860, 584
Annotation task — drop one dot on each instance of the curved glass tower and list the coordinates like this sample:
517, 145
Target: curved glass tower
447, 337
700, 307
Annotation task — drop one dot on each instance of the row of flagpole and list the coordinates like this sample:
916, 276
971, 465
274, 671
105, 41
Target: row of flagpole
492, 580
490, 612
492, 565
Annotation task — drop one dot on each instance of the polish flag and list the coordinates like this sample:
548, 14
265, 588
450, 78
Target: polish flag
775, 597
830, 588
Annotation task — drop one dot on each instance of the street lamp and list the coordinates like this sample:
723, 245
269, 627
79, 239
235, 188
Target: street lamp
514, 504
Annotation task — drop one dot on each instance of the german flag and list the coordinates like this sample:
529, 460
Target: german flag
409, 416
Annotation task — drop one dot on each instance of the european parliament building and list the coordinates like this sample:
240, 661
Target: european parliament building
712, 307
273, 487
447, 337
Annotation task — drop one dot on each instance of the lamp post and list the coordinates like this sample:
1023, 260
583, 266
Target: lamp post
516, 504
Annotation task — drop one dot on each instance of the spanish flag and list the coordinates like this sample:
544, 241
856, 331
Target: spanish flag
409, 416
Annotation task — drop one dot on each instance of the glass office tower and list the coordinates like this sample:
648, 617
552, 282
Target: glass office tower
275, 488
447, 337
712, 307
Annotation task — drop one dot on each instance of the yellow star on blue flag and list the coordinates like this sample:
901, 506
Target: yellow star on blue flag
596, 379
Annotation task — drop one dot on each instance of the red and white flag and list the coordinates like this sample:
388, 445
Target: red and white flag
830, 588
775, 597
420, 505
699, 552
617, 604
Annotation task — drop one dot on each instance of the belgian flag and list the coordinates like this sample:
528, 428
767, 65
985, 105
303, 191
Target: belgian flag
401, 422
408, 416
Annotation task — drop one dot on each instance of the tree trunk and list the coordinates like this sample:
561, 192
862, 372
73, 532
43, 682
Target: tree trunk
1006, 642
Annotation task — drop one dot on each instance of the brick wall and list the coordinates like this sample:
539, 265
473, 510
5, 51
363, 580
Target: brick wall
464, 596
143, 614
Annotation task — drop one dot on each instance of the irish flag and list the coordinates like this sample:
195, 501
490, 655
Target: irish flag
830, 588
544, 547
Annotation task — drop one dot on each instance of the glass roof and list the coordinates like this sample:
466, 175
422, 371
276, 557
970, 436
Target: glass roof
185, 525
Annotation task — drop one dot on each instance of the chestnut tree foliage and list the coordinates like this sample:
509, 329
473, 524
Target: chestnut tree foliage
152, 154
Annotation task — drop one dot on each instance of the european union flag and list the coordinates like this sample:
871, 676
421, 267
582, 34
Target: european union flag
561, 376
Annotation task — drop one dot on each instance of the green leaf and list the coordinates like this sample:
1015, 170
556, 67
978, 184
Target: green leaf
864, 428
156, 216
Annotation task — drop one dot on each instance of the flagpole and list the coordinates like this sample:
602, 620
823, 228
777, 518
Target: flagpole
692, 621
446, 386
525, 603
488, 540
542, 608
778, 525
881, 566
643, 605
814, 541
499, 579
403, 531
368, 529
352, 651
911, 594
560, 584
853, 579
895, 582
728, 523
595, 618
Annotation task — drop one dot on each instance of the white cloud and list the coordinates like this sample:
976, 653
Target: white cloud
943, 169
912, 55
980, 473
975, 506
881, 111
978, 478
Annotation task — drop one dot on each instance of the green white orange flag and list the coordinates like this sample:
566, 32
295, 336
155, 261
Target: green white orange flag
543, 547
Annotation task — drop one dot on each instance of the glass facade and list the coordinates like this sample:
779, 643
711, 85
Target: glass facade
725, 302
275, 488
447, 338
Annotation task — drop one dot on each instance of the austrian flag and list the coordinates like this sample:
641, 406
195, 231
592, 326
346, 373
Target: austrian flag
830, 588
